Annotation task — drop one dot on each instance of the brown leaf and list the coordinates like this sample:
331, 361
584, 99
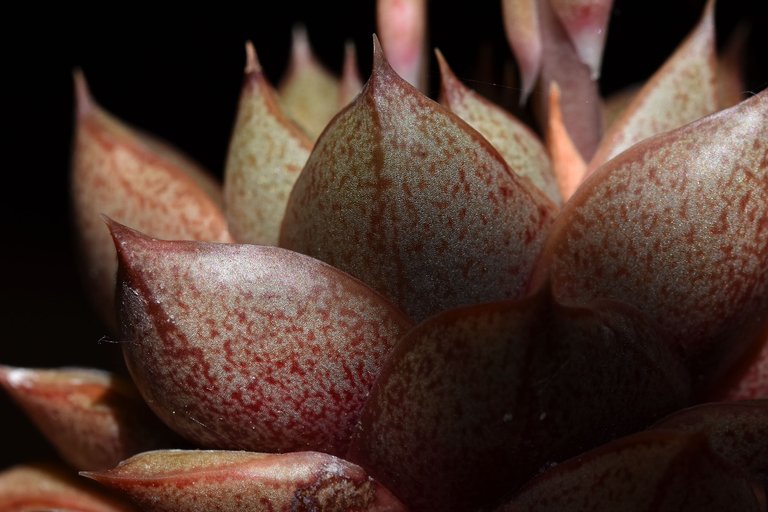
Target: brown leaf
521, 148
201, 481
250, 347
139, 181
42, 487
93, 418
473, 402
266, 154
407, 197
682, 90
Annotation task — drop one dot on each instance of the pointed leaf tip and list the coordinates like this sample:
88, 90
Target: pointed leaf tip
211, 323
252, 64
84, 103
228, 481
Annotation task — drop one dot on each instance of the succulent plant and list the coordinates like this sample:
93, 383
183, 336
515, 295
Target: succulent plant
396, 303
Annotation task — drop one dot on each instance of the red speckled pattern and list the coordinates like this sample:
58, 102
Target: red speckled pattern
474, 402
33, 488
139, 182
248, 347
682, 90
266, 154
519, 146
647, 472
677, 226
225, 481
93, 418
404, 195
738, 431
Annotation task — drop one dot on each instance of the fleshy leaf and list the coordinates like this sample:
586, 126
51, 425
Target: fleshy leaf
751, 381
738, 431
519, 146
266, 154
139, 181
201, 481
682, 90
651, 471
677, 226
93, 418
586, 22
567, 163
474, 401
308, 91
402, 26
580, 99
250, 347
351, 83
521, 24
407, 197
38, 487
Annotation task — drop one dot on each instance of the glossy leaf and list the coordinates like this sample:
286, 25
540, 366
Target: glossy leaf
475, 401
250, 347
682, 90
201, 481
119, 172
677, 226
650, 471
518, 145
308, 91
266, 154
93, 418
404, 195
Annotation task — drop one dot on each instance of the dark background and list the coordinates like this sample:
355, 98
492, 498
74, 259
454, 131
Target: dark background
178, 75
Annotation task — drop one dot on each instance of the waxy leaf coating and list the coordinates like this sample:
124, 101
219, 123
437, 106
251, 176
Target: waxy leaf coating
405, 196
682, 90
521, 148
227, 481
249, 347
266, 154
137, 180
93, 418
475, 401
678, 227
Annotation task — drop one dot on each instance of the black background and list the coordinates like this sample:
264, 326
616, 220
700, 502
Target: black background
178, 75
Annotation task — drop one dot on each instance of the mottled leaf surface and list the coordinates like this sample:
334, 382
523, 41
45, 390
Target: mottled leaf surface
404, 195
250, 347
226, 481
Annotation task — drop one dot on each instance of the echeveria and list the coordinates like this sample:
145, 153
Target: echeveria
556, 302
